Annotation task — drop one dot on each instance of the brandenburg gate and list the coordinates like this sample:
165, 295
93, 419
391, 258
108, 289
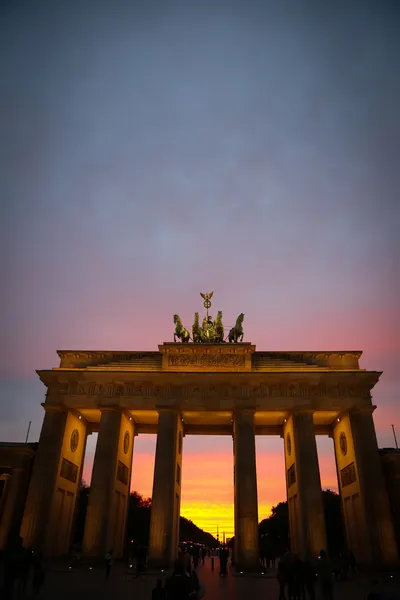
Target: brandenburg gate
207, 387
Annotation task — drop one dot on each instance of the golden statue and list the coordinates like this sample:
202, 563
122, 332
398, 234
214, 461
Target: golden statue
180, 332
207, 298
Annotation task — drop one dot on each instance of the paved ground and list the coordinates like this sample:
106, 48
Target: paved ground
85, 584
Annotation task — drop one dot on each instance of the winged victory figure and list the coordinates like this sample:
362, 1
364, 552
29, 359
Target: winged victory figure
207, 296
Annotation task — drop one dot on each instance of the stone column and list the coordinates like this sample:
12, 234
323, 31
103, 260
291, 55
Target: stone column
44, 476
109, 490
366, 508
165, 508
50, 505
303, 483
245, 485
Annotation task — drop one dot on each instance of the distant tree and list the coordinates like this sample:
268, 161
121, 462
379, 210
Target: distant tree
274, 531
81, 510
139, 501
335, 531
138, 522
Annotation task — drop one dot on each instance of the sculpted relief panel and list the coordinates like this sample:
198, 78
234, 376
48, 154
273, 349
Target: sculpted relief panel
206, 360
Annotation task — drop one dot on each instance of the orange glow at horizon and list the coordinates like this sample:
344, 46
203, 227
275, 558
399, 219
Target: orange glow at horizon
207, 476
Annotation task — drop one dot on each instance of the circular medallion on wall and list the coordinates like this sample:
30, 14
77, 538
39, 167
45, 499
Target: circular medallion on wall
74, 440
343, 443
289, 444
126, 442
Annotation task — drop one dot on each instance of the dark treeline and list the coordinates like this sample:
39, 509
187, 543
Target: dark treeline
138, 522
274, 531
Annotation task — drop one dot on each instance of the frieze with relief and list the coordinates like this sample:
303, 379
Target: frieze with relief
132, 389
206, 360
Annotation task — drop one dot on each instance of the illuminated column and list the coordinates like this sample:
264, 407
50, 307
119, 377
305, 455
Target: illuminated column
109, 491
53, 488
303, 483
245, 483
165, 507
366, 509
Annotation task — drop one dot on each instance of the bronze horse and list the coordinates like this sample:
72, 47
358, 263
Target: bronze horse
180, 332
196, 329
219, 328
237, 331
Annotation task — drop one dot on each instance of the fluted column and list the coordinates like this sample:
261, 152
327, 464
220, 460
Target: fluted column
44, 476
109, 490
49, 509
165, 508
303, 484
366, 508
245, 484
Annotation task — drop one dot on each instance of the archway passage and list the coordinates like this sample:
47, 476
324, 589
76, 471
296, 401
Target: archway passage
207, 484
334, 522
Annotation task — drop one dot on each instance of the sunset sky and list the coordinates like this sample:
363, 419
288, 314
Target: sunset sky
152, 150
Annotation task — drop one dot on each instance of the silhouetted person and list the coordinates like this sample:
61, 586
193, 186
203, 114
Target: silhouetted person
180, 585
109, 563
343, 566
196, 556
159, 592
299, 584
309, 578
263, 558
195, 580
23, 569
38, 574
14, 557
141, 558
283, 575
352, 563
186, 559
325, 574
223, 562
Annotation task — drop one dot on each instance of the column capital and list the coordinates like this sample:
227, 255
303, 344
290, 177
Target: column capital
79, 416
168, 409
301, 411
129, 416
245, 414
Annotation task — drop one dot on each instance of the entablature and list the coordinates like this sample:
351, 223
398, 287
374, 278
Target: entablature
208, 357
77, 388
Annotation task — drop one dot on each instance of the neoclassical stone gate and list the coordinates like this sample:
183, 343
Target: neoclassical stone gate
207, 389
